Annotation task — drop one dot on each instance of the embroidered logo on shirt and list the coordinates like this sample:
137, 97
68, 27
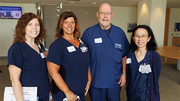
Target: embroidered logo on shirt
117, 45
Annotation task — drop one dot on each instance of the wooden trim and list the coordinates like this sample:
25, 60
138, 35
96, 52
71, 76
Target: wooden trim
166, 30
176, 41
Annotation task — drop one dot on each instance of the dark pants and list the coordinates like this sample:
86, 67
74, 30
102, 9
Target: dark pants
100, 94
44, 99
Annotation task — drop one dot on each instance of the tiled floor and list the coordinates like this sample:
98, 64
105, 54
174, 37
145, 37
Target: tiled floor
169, 81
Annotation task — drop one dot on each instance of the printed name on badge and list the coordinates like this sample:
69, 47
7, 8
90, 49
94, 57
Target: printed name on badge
71, 49
98, 40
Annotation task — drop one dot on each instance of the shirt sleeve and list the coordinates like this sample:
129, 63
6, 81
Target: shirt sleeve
84, 37
15, 56
55, 53
157, 64
126, 46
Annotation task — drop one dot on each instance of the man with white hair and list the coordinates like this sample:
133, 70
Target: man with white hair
108, 47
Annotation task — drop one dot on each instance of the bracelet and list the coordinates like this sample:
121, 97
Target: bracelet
124, 72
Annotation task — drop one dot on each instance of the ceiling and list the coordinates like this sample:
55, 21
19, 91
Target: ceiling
130, 3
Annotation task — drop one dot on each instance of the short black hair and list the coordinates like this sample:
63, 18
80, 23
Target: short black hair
151, 45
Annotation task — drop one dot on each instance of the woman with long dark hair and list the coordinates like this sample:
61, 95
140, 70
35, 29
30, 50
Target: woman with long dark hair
143, 66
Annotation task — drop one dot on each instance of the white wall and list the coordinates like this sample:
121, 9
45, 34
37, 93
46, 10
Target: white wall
144, 11
7, 27
174, 18
123, 16
158, 13
86, 17
152, 13
50, 21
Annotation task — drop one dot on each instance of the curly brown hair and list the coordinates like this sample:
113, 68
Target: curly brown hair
64, 16
20, 32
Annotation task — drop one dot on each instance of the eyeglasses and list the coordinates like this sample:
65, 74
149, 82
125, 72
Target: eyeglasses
105, 13
142, 36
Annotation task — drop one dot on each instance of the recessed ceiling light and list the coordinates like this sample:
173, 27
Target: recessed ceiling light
86, 12
94, 3
71, 2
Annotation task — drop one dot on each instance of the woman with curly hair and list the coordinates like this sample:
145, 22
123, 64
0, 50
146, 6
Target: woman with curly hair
26, 58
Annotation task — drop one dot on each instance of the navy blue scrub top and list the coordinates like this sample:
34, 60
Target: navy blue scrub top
73, 65
136, 81
34, 70
106, 53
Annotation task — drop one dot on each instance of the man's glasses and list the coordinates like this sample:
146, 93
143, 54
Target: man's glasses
105, 13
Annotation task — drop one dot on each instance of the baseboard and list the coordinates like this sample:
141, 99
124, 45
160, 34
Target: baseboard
3, 57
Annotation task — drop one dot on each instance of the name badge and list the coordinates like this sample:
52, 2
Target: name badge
128, 61
145, 68
84, 49
98, 40
43, 55
71, 49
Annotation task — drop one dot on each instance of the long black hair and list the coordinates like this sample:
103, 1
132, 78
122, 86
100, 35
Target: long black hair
151, 45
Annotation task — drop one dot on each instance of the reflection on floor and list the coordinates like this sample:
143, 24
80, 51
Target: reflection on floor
169, 81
